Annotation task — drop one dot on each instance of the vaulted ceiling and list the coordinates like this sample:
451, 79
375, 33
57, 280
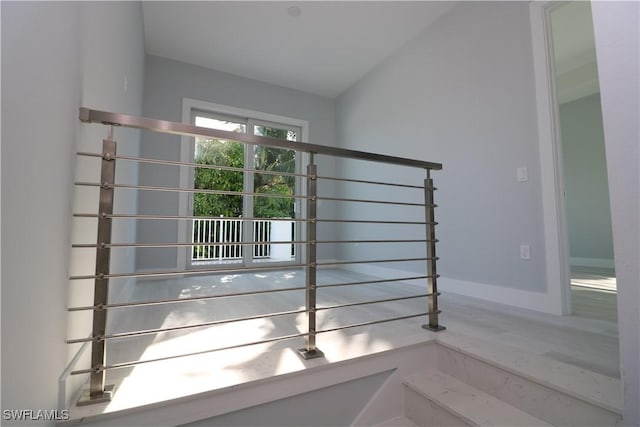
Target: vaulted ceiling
324, 47
321, 47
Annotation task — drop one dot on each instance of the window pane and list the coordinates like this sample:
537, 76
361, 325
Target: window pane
224, 227
275, 160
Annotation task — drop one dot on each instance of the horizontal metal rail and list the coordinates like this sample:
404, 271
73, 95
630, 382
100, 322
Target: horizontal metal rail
240, 193
256, 242
368, 282
179, 245
382, 202
196, 353
364, 181
236, 270
372, 261
188, 190
235, 294
373, 241
95, 116
179, 300
177, 217
187, 217
182, 328
188, 272
282, 338
377, 301
374, 322
373, 221
195, 165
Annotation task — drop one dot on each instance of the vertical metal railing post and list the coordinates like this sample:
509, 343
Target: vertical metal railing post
311, 351
432, 271
98, 391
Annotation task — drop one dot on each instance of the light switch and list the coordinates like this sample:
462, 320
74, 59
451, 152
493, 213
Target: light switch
523, 174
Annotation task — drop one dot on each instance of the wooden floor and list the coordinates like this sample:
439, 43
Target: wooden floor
593, 293
588, 343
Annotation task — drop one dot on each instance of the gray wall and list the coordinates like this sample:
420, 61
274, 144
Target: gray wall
43, 75
585, 176
55, 58
462, 93
166, 83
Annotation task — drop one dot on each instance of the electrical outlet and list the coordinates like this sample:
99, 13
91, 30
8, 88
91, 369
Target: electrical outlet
522, 174
525, 252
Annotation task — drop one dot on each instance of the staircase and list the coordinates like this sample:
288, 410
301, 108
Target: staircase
478, 383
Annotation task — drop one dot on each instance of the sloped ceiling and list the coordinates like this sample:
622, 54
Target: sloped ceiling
323, 50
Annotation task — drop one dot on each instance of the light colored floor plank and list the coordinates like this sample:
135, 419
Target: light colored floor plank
593, 293
587, 343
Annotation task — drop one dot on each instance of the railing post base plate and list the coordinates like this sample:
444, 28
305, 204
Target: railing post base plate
434, 328
313, 354
106, 396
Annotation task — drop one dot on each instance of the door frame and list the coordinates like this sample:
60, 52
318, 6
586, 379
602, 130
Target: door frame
556, 236
189, 105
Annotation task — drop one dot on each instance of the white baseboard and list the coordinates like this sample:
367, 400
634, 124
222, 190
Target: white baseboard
537, 301
592, 262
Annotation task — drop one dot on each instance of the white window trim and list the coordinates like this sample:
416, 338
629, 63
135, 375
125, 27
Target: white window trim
189, 105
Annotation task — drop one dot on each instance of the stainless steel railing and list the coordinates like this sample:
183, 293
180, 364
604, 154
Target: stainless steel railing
98, 390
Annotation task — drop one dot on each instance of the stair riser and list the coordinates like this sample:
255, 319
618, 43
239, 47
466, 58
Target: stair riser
543, 402
425, 413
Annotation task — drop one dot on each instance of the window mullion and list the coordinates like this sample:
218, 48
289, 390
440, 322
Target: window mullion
248, 200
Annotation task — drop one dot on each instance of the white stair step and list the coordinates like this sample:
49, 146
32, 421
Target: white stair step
397, 422
555, 392
464, 402
596, 389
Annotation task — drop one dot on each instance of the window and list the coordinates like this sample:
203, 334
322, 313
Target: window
234, 222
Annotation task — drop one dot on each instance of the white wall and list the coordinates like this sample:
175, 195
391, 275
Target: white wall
112, 80
618, 51
41, 94
462, 93
56, 57
167, 82
585, 179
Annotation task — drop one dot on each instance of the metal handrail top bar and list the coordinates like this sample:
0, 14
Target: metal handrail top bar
96, 116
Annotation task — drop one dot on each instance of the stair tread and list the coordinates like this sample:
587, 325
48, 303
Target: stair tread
397, 422
597, 389
470, 404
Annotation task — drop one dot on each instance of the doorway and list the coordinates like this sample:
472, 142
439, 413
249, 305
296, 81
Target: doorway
245, 209
581, 162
